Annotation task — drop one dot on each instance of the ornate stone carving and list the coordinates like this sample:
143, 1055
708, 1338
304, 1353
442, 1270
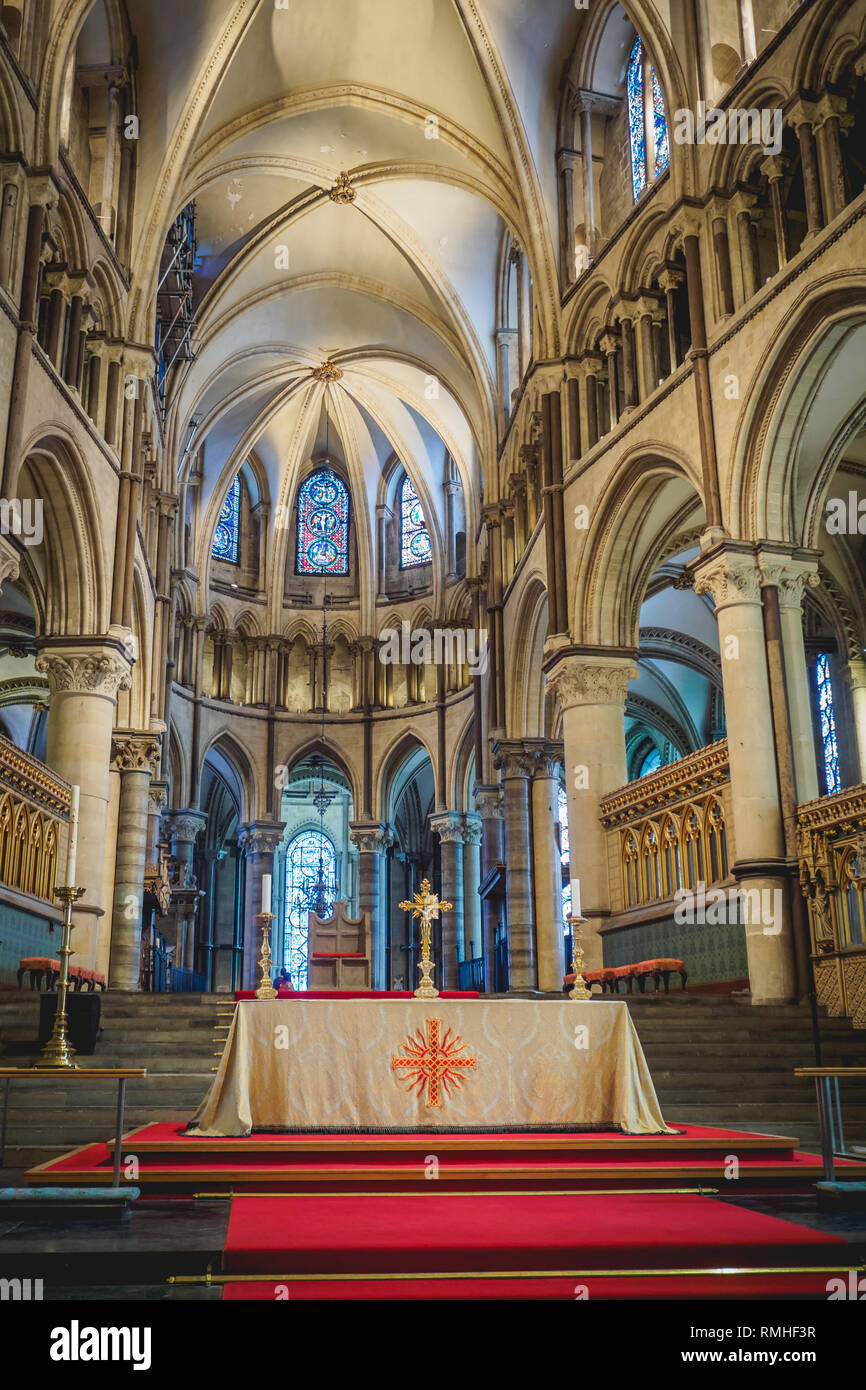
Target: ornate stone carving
473, 831
448, 826
790, 576
730, 578
135, 753
370, 839
182, 827
511, 760
260, 837
488, 802
584, 680
89, 674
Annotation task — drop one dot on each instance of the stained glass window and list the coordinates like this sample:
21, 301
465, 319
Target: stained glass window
660, 126
562, 817
827, 717
225, 541
414, 536
309, 850
639, 76
323, 525
636, 122
651, 763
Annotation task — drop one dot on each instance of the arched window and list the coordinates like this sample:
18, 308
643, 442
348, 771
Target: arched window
323, 524
647, 123
226, 536
307, 853
827, 717
414, 537
651, 763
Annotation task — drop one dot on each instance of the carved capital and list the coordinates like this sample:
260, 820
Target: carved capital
448, 826
590, 680
790, 575
731, 578
102, 672
260, 837
369, 837
9, 562
473, 830
488, 802
183, 826
131, 752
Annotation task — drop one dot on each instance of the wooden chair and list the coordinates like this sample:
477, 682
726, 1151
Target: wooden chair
339, 950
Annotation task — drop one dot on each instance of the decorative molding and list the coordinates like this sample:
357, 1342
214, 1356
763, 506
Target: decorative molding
90, 674
586, 680
373, 838
131, 752
260, 837
699, 772
730, 578
183, 826
20, 772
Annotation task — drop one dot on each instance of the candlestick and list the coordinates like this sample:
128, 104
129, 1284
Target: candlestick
575, 898
266, 893
72, 846
266, 989
579, 989
57, 1054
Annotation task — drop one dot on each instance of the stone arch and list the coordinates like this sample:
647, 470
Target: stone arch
525, 685
400, 762
227, 746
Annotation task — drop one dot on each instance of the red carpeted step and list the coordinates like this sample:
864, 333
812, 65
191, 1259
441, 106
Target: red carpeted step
719, 1286
447, 1233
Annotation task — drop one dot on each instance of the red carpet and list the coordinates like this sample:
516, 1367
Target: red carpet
448, 1233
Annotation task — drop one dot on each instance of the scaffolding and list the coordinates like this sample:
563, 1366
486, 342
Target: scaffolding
175, 306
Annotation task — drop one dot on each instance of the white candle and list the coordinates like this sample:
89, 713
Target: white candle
266, 892
575, 897
72, 849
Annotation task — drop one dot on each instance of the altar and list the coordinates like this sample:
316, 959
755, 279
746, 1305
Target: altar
367, 1065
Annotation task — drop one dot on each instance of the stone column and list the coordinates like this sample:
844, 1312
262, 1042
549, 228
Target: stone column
371, 839
472, 831
855, 675
801, 116
8, 225
792, 575
515, 769
591, 691
629, 363
592, 366
84, 677
136, 757
723, 257
585, 106
774, 169
258, 841
488, 803
831, 119
670, 281
43, 194
546, 758
449, 828
731, 575
73, 342
649, 314
609, 344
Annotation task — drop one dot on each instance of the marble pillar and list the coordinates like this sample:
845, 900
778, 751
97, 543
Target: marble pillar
792, 575
371, 839
84, 677
135, 756
449, 827
472, 832
488, 804
591, 690
515, 771
730, 573
855, 675
258, 840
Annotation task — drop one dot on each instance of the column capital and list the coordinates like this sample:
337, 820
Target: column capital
488, 801
157, 798
134, 752
473, 830
730, 576
448, 825
800, 112
370, 837
790, 573
686, 222
671, 279
609, 342
774, 166
183, 826
544, 756
591, 678
84, 666
261, 836
829, 106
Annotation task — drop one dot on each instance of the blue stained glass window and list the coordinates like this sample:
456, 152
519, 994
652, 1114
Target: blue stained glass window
562, 817
827, 716
663, 150
636, 124
414, 537
651, 763
306, 851
225, 541
323, 524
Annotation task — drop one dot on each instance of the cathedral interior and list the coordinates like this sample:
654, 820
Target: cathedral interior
432, 434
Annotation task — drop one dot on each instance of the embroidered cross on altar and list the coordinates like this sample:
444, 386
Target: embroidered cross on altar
434, 1062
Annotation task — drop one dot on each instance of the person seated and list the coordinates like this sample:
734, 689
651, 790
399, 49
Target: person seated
282, 980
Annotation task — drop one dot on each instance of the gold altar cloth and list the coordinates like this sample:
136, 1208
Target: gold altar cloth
357, 1064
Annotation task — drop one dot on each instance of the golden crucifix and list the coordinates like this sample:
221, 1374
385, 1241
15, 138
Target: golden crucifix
427, 906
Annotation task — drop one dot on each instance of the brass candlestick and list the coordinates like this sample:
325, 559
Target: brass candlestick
57, 1055
266, 989
427, 906
580, 989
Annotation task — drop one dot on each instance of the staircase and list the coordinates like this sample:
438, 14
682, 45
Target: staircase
714, 1059
172, 1035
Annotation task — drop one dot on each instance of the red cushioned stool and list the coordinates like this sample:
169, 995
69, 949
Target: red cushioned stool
37, 967
661, 969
